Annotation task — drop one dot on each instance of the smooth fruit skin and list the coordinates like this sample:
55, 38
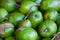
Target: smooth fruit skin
25, 23
46, 39
9, 5
3, 14
9, 38
35, 18
16, 17
8, 31
47, 29
26, 6
26, 34
51, 15
49, 4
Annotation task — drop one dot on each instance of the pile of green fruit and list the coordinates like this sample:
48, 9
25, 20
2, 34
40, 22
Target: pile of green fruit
29, 19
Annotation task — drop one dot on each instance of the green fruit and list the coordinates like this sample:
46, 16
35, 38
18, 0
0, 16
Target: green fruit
25, 23
51, 15
26, 34
9, 5
3, 14
16, 17
47, 29
9, 38
58, 20
35, 18
49, 4
6, 29
46, 39
26, 6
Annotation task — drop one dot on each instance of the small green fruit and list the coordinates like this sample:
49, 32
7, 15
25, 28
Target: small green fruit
49, 4
16, 17
51, 15
47, 29
9, 5
35, 18
26, 6
26, 34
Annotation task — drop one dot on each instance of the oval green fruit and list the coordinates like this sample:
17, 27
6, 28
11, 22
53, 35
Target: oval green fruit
51, 15
9, 5
15, 17
25, 23
26, 34
26, 6
35, 18
49, 4
3, 14
6, 29
47, 29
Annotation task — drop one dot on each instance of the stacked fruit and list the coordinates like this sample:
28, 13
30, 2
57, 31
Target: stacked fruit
29, 20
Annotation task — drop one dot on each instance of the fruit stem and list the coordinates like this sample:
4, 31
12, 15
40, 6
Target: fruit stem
29, 12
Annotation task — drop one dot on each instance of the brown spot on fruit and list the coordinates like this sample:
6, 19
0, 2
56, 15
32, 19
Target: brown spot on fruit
4, 26
57, 36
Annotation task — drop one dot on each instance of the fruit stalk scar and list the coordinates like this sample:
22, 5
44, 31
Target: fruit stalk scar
46, 30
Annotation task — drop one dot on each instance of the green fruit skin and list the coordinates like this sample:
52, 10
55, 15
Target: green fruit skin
25, 23
9, 5
3, 14
51, 15
8, 31
15, 17
36, 1
48, 25
26, 6
58, 20
49, 4
46, 39
35, 18
9, 38
26, 34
